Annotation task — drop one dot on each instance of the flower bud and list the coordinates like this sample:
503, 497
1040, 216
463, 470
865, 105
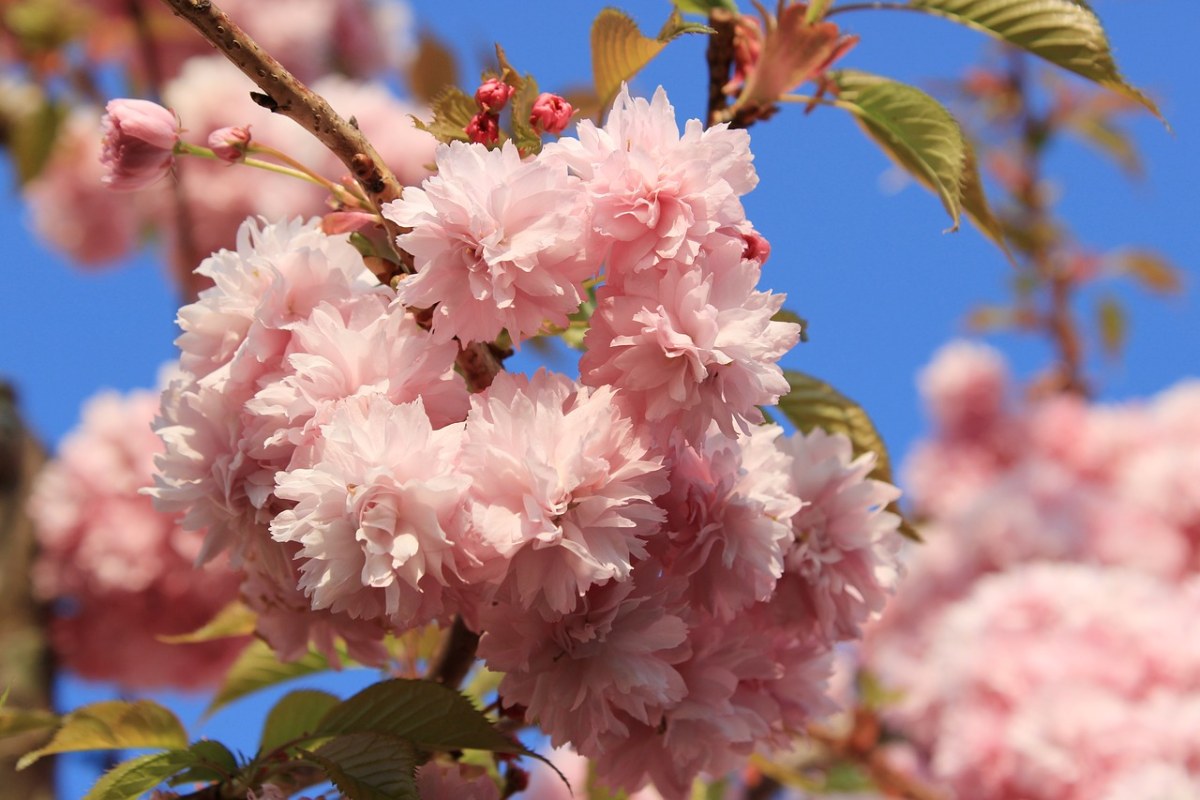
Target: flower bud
493, 94
484, 128
550, 113
139, 142
229, 144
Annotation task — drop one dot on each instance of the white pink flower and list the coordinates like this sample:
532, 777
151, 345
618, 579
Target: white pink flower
376, 513
701, 347
657, 196
561, 490
499, 243
139, 142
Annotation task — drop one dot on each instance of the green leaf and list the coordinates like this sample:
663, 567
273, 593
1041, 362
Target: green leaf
620, 51
911, 127
452, 112
429, 715
14, 721
207, 761
113, 725
976, 206
233, 620
783, 315
813, 403
296, 715
704, 6
1151, 270
816, 10
32, 136
1113, 325
370, 766
1064, 32
133, 778
525, 94
257, 668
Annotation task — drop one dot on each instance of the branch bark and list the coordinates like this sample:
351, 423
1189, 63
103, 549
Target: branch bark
26, 664
285, 94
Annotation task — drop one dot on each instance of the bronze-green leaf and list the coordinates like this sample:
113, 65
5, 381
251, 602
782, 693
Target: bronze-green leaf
1064, 32
1113, 325
813, 403
257, 668
620, 50
370, 766
113, 725
15, 721
429, 715
1151, 270
913, 128
433, 69
233, 620
452, 112
296, 715
133, 778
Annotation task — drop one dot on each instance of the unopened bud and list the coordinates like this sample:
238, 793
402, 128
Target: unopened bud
550, 113
492, 95
139, 143
229, 144
484, 128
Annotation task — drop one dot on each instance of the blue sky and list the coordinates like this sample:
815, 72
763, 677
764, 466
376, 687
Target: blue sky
871, 270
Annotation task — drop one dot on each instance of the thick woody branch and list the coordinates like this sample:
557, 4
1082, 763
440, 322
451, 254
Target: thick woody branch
457, 655
284, 94
719, 56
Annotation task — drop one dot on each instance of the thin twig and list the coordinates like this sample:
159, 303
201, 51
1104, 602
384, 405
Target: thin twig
883, 774
285, 94
881, 6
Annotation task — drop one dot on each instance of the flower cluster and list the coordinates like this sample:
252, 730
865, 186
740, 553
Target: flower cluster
118, 573
1008, 487
661, 580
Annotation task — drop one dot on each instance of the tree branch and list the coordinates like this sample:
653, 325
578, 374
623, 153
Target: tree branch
285, 94
457, 655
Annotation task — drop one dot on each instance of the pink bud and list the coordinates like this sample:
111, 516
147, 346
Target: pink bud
550, 113
484, 128
229, 144
493, 94
139, 142
758, 249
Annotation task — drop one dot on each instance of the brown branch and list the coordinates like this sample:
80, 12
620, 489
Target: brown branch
866, 754
456, 656
187, 253
26, 661
283, 93
719, 56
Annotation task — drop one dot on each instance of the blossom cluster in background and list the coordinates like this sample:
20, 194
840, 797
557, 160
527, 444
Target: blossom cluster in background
661, 578
335, 44
1037, 643
119, 574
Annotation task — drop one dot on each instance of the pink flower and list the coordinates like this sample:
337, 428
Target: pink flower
843, 562
493, 95
120, 574
97, 231
229, 144
561, 490
484, 128
376, 513
965, 390
1052, 681
729, 512
139, 142
699, 347
591, 671
550, 113
439, 780
499, 243
657, 197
